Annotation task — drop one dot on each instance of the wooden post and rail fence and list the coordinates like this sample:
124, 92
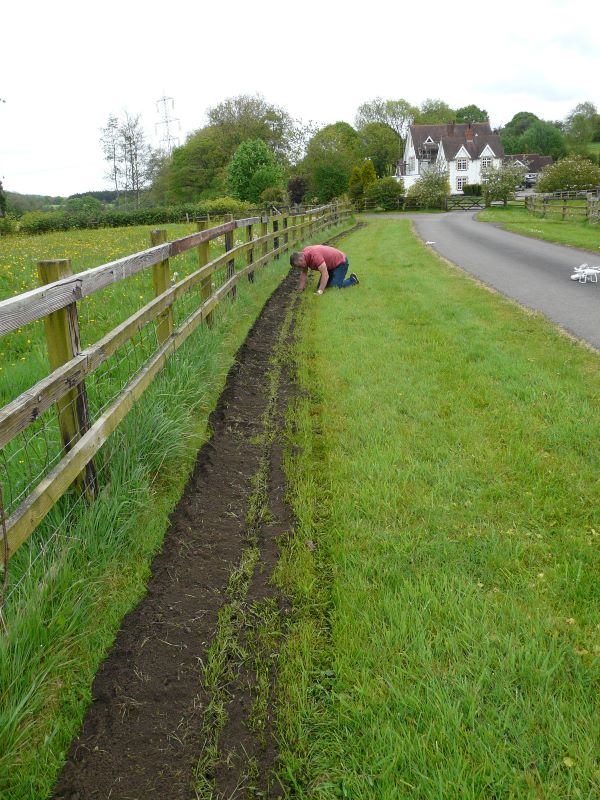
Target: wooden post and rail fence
566, 205
55, 301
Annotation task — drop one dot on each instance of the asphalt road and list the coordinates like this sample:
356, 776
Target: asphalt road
533, 272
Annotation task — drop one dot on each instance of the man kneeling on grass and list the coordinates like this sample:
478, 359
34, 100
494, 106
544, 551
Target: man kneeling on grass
332, 265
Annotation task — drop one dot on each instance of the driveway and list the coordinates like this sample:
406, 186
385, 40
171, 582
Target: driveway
533, 272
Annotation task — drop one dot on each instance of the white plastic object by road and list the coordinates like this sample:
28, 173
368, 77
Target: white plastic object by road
584, 273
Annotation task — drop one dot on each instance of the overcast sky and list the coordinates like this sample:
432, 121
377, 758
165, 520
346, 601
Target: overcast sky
67, 65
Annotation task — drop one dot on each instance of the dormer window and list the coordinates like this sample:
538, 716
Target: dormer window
462, 164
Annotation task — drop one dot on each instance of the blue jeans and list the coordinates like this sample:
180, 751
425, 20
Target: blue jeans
337, 277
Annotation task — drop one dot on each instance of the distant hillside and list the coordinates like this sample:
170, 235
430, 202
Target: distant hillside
20, 203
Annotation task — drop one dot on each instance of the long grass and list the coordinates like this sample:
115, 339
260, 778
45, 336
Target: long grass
85, 567
572, 232
444, 473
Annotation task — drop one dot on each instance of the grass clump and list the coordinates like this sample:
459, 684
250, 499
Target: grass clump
445, 639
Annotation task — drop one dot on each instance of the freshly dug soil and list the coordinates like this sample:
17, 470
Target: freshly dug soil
144, 733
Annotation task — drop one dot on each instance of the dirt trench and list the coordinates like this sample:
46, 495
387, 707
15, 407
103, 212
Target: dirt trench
183, 703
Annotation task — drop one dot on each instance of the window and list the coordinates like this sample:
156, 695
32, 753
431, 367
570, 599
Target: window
486, 161
462, 163
411, 164
460, 182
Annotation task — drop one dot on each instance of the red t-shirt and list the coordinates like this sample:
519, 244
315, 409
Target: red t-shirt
316, 254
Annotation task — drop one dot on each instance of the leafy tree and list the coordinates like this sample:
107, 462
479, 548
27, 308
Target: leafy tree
387, 193
570, 173
580, 124
543, 138
330, 156
526, 133
379, 143
500, 183
251, 117
434, 112
2, 201
430, 190
252, 169
471, 113
297, 188
194, 170
398, 115
86, 205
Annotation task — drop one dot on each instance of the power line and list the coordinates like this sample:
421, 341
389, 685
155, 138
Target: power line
169, 141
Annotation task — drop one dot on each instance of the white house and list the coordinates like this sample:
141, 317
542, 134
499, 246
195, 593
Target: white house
464, 149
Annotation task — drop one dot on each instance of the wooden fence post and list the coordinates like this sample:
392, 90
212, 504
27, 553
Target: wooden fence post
250, 254
230, 263
161, 280
264, 230
276, 238
62, 336
203, 258
286, 236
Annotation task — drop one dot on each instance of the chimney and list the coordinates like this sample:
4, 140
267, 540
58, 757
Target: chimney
469, 133
450, 128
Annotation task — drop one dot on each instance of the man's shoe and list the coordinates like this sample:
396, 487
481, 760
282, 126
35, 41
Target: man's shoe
354, 277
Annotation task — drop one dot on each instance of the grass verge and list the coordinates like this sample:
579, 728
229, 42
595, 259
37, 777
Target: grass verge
444, 474
69, 604
574, 233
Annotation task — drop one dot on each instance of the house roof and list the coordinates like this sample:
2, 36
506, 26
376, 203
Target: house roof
453, 136
535, 161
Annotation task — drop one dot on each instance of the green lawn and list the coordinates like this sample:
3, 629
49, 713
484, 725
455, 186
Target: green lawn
443, 469
515, 218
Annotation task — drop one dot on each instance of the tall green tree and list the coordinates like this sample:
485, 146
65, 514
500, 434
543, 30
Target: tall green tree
471, 113
527, 133
398, 115
252, 117
543, 138
580, 124
379, 143
434, 112
330, 156
252, 169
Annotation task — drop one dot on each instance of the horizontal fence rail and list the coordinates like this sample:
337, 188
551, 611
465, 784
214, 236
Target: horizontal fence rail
76, 434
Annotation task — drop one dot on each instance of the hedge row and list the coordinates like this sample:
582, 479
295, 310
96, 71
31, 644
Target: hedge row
44, 221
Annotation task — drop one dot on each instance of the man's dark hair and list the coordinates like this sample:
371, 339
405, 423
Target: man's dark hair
295, 259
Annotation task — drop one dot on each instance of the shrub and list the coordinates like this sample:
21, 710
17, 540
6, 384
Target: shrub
387, 193
571, 173
472, 189
44, 221
430, 190
355, 186
273, 195
8, 225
